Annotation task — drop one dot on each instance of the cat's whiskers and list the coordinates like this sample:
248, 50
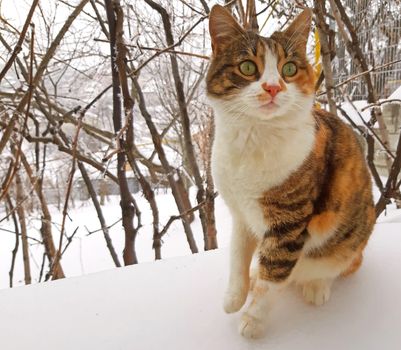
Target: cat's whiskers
236, 110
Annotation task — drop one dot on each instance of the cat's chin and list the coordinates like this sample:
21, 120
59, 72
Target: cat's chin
268, 111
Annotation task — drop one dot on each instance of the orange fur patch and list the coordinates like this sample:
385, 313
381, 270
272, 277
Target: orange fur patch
323, 223
355, 265
305, 81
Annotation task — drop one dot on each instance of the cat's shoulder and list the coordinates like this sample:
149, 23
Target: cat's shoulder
331, 122
336, 136
326, 118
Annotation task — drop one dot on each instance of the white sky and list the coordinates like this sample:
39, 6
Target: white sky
16, 11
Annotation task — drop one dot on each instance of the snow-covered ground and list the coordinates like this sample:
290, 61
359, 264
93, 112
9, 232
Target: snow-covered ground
176, 304
396, 94
88, 253
354, 109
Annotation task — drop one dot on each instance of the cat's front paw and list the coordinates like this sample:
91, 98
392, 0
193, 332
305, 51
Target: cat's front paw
317, 292
234, 300
251, 327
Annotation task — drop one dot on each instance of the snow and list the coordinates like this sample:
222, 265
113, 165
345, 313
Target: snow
88, 253
355, 115
396, 94
176, 304
360, 104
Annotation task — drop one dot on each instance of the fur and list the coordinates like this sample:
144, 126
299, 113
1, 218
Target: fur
293, 177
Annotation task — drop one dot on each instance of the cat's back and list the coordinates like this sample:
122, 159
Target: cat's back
339, 150
344, 185
337, 136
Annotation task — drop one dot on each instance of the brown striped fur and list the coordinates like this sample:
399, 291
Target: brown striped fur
331, 191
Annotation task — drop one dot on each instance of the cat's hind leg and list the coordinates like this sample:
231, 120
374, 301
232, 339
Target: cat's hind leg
316, 276
317, 292
354, 266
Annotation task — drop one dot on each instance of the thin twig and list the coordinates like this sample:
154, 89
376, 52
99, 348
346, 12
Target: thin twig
369, 127
18, 47
169, 48
41, 69
93, 195
20, 202
184, 53
379, 103
392, 185
30, 90
42, 267
17, 234
355, 76
185, 213
68, 193
69, 241
100, 229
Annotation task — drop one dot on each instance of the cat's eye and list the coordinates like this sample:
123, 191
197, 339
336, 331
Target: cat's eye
289, 69
247, 68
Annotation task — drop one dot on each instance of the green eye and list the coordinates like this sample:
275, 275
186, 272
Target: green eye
289, 69
247, 68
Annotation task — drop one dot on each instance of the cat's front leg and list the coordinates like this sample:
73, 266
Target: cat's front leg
278, 255
242, 247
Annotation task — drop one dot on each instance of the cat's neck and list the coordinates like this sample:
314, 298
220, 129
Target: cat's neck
244, 131
273, 149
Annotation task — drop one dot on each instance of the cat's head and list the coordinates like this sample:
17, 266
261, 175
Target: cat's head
258, 77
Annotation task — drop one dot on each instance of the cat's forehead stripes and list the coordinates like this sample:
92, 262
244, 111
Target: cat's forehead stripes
271, 44
271, 75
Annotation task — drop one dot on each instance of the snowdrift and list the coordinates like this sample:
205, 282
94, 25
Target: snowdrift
176, 304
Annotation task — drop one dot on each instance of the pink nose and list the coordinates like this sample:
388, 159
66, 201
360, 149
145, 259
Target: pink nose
273, 90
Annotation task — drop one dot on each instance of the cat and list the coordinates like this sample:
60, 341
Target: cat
293, 176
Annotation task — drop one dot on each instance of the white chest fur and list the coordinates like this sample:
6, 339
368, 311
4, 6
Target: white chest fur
250, 157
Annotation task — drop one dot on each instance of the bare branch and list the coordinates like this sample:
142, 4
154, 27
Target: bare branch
18, 46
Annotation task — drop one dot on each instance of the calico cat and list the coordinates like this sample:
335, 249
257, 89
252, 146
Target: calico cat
293, 177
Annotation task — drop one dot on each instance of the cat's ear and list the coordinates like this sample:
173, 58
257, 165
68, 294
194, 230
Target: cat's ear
222, 27
298, 31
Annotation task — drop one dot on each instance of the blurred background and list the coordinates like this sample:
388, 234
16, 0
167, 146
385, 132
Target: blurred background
105, 130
